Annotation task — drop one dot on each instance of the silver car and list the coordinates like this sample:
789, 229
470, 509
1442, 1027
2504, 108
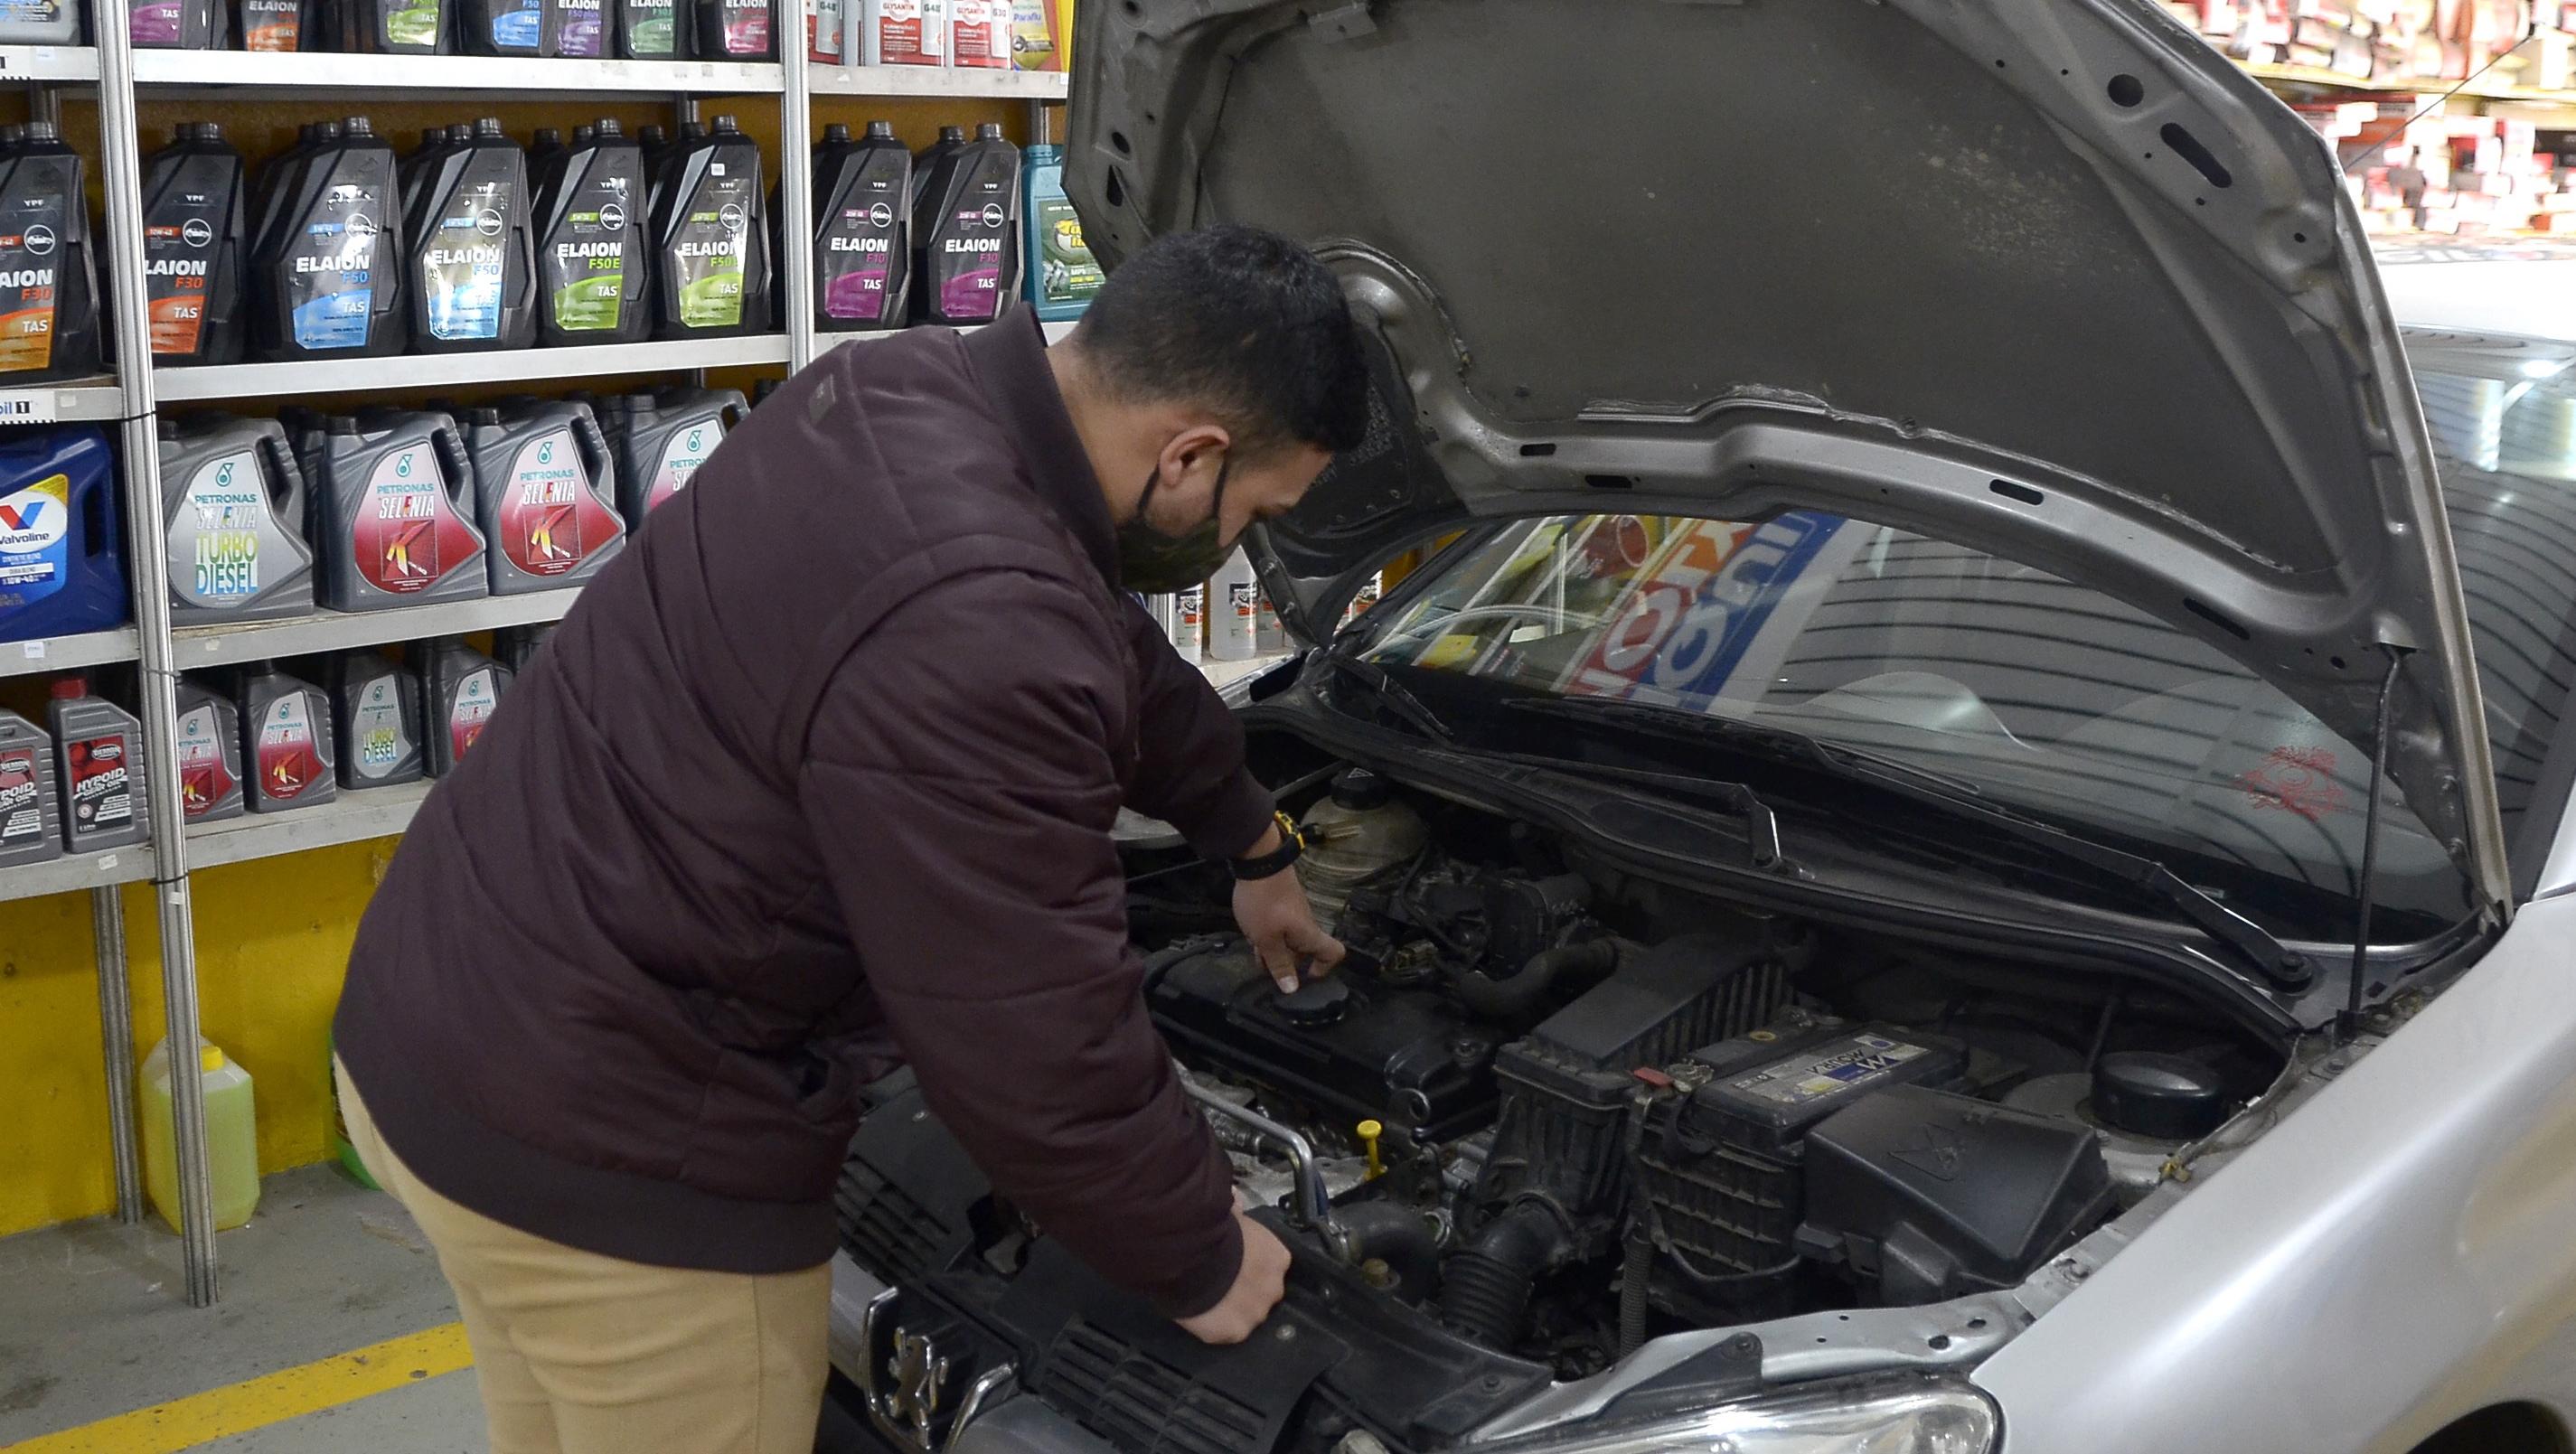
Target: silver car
1965, 843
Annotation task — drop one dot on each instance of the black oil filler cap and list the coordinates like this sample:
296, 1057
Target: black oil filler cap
2161, 1097
1316, 1002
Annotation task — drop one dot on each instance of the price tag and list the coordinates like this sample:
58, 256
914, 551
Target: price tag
29, 406
35, 651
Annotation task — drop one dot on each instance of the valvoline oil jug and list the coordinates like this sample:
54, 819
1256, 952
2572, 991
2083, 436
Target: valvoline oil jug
376, 718
862, 231
594, 242
286, 740
192, 247
30, 827
461, 686
472, 265
234, 500
60, 573
209, 744
328, 276
48, 281
545, 491
969, 266
662, 441
394, 510
711, 247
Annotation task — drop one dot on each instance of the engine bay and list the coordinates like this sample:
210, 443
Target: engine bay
1544, 1112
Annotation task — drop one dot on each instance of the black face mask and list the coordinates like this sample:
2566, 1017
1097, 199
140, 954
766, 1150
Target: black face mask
1157, 564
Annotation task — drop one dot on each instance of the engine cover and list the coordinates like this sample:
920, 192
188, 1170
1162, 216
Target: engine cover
1407, 1057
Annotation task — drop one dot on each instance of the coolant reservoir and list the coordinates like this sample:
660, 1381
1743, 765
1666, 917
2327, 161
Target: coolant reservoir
1357, 832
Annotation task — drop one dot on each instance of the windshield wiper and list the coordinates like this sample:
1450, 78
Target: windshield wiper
1388, 694
2278, 964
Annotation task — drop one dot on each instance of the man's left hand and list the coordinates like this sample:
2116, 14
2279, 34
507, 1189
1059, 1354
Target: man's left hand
1274, 915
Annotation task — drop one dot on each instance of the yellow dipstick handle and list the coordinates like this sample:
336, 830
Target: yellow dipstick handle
1369, 1132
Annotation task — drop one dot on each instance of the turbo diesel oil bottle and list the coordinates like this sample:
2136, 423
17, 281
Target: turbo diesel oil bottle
48, 282
969, 264
593, 244
328, 276
712, 248
862, 232
192, 240
376, 720
472, 263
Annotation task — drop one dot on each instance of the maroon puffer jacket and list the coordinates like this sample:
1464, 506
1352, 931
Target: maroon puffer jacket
818, 777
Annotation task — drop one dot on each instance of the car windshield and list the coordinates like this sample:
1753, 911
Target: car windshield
2038, 693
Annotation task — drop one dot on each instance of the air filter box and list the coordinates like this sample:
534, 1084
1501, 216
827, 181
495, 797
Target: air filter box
1720, 1170
1920, 1195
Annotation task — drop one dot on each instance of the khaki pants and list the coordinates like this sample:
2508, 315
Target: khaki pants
586, 1354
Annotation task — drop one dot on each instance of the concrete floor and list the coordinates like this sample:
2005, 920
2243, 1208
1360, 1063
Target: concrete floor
96, 1322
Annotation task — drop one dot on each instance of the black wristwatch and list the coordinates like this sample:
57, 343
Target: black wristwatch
1291, 847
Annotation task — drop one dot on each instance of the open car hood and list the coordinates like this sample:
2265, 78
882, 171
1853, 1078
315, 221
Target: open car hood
2046, 277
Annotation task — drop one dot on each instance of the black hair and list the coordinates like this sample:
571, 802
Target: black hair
1241, 321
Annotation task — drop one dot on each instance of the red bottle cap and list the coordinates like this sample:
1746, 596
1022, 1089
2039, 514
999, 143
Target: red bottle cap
66, 688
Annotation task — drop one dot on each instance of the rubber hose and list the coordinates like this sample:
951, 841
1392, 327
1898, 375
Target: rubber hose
1506, 998
1400, 1237
1634, 1272
1485, 1289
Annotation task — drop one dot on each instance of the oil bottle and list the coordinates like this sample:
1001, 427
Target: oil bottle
461, 686
712, 248
397, 27
278, 25
376, 720
968, 266
328, 275
41, 22
98, 755
394, 510
952, 139
503, 27
545, 494
576, 28
31, 829
654, 30
179, 25
286, 740
472, 263
209, 747
516, 646
736, 30
863, 231
48, 281
592, 250
192, 241
233, 497
60, 568
661, 442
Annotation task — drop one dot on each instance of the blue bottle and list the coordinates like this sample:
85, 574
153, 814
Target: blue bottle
60, 573
1061, 273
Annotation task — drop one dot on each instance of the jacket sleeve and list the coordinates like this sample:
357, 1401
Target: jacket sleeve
960, 788
1190, 773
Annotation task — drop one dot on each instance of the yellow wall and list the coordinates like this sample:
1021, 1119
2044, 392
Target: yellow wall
272, 936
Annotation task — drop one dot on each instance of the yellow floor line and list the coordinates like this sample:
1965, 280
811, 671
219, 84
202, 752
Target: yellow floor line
269, 1399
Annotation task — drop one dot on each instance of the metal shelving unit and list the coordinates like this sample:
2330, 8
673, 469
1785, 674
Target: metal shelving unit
924, 81
348, 818
291, 72
330, 84
446, 370
197, 648
67, 653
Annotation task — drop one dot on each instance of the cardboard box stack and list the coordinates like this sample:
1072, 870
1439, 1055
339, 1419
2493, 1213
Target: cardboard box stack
2479, 174
2391, 41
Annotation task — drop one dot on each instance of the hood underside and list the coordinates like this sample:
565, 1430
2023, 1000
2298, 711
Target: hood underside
2046, 277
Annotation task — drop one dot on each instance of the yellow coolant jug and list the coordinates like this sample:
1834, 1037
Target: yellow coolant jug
232, 1137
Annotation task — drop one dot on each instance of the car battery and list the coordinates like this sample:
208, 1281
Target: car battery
1719, 1165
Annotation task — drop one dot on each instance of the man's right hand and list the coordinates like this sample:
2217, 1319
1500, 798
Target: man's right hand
1259, 1282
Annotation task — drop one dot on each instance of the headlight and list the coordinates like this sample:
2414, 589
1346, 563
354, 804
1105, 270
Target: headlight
1907, 1415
